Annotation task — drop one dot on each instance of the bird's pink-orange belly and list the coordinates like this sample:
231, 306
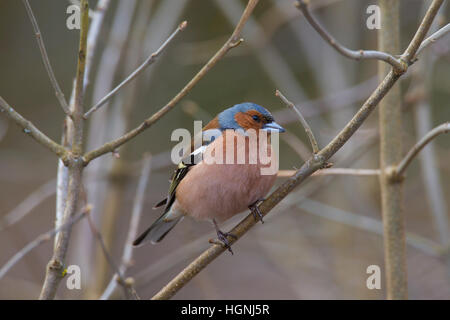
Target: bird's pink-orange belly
220, 190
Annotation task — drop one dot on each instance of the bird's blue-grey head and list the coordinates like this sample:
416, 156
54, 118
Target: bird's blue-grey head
228, 119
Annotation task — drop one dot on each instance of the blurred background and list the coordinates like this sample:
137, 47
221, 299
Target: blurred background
318, 243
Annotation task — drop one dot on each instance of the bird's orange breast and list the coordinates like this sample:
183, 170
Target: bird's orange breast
221, 190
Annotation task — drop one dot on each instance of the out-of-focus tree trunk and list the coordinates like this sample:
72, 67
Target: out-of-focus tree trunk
390, 120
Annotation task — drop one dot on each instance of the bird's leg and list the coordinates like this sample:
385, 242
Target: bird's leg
255, 210
223, 237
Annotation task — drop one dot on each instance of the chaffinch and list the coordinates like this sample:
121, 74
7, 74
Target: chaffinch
217, 191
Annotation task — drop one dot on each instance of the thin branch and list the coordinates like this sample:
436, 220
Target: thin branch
297, 145
75, 165
422, 31
93, 34
127, 284
133, 229
39, 240
45, 59
308, 168
231, 43
334, 171
30, 129
397, 64
134, 74
312, 139
434, 37
414, 151
28, 204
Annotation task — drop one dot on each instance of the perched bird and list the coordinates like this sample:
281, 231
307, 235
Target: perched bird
209, 190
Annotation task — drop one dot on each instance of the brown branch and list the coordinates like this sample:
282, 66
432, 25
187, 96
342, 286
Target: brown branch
390, 123
397, 64
135, 73
421, 32
30, 129
312, 139
309, 167
75, 166
231, 43
414, 151
45, 59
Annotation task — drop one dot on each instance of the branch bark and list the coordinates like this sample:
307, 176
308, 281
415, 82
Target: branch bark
30, 129
55, 266
390, 122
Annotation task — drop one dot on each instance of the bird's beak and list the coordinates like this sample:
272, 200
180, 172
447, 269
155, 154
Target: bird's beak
273, 126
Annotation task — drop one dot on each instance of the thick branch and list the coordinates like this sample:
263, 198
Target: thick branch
45, 59
30, 129
232, 42
308, 168
135, 73
390, 123
401, 167
352, 54
55, 266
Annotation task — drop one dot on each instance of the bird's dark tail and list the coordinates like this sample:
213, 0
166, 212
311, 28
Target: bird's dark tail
158, 230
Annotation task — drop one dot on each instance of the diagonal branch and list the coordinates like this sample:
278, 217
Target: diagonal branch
434, 37
45, 59
127, 284
414, 151
135, 73
308, 168
30, 129
133, 229
28, 204
42, 238
397, 64
232, 42
312, 139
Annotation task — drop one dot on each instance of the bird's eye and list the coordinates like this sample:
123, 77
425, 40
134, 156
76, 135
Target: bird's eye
256, 118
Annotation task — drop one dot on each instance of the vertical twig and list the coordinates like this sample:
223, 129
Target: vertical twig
390, 122
56, 265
